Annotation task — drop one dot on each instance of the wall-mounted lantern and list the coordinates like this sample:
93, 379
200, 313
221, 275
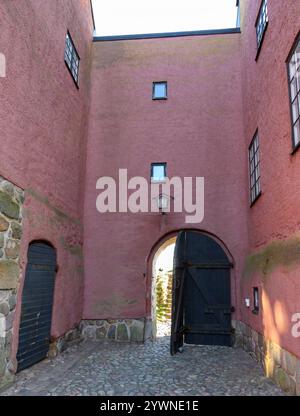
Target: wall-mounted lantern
163, 203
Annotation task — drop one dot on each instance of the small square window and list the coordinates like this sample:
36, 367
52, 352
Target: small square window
159, 91
158, 172
72, 58
255, 300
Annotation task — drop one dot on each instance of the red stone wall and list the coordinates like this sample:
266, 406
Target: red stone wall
43, 123
273, 221
198, 131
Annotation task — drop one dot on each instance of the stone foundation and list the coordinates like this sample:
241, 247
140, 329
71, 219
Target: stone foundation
58, 345
279, 364
11, 202
122, 330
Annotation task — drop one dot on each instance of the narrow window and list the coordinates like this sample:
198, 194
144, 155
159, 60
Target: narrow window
255, 189
159, 91
72, 58
158, 172
261, 23
294, 82
255, 300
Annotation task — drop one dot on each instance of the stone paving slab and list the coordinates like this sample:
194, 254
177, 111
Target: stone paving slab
109, 368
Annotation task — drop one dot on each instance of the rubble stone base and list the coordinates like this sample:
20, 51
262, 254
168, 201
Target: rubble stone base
122, 330
60, 344
11, 202
278, 364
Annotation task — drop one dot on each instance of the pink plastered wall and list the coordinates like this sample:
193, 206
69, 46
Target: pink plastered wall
43, 122
218, 95
198, 131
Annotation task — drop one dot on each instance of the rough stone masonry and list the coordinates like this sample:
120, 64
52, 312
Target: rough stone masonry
11, 202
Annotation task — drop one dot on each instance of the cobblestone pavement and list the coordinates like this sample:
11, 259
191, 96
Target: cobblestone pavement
108, 368
163, 329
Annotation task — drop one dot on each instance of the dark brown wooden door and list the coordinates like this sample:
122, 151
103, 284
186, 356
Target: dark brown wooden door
177, 327
37, 302
201, 310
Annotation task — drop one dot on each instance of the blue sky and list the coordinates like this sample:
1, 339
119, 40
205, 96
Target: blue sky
121, 17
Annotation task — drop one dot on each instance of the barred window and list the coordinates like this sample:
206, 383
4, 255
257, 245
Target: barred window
261, 22
294, 81
72, 58
255, 189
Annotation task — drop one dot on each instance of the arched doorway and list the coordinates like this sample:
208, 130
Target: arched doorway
37, 302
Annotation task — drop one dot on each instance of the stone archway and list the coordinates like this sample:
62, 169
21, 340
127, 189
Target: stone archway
157, 248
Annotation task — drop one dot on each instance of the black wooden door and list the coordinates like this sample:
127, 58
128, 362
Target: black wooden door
201, 312
37, 302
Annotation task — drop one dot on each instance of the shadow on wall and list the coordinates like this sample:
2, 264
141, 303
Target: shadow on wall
274, 269
279, 364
